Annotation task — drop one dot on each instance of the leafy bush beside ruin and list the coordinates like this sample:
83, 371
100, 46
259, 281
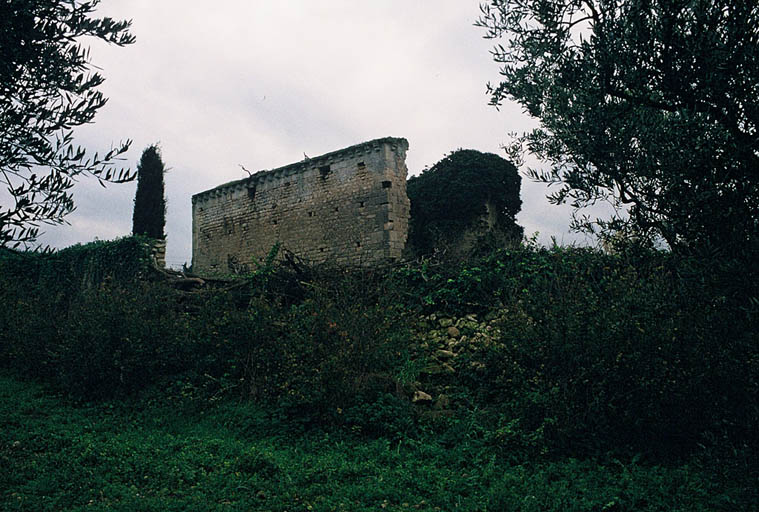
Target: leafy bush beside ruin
530, 351
310, 345
454, 203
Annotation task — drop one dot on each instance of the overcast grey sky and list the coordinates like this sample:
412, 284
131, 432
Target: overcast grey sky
260, 82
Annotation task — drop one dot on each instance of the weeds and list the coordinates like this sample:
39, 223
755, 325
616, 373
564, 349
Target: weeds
540, 357
113, 455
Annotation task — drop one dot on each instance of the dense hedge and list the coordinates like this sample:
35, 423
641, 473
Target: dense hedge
593, 351
311, 345
125, 260
645, 351
59, 320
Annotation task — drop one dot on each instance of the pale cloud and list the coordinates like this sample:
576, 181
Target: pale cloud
259, 83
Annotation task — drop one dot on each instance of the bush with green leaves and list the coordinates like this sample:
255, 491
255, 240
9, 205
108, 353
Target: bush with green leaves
598, 351
114, 340
344, 341
309, 344
457, 195
587, 353
40, 291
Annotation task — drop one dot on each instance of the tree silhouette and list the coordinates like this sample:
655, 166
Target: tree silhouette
47, 88
649, 105
149, 216
458, 194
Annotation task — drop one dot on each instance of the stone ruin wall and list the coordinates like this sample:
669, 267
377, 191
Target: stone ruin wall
347, 207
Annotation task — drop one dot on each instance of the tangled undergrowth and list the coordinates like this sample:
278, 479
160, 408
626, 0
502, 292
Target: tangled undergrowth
526, 354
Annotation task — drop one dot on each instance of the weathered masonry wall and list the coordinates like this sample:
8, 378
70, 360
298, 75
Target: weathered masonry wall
348, 207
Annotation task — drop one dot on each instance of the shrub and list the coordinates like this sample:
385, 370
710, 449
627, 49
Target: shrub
51, 297
115, 340
588, 352
597, 352
452, 199
344, 343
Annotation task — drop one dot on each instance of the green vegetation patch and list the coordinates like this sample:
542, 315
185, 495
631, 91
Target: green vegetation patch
138, 455
67, 271
526, 379
457, 195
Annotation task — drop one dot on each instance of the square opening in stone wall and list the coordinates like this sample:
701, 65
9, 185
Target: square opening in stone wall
310, 214
274, 221
337, 208
361, 166
324, 170
252, 192
360, 204
386, 184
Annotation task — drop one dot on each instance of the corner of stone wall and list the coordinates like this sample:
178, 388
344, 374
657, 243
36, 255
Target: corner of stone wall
158, 253
399, 206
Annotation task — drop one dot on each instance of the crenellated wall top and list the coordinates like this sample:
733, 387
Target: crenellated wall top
395, 144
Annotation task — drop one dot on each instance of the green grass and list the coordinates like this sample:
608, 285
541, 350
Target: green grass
154, 455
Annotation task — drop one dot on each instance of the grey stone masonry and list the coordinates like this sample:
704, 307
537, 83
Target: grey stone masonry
347, 207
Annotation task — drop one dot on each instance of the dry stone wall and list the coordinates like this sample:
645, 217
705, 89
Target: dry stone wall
347, 207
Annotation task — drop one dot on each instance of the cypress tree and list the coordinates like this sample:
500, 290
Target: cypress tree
149, 216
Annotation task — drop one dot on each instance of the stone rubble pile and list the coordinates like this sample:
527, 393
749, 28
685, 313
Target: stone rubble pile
440, 341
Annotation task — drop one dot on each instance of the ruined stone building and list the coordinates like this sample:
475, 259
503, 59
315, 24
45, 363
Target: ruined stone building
347, 207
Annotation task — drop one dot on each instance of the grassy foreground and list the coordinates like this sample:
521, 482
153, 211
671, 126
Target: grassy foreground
150, 455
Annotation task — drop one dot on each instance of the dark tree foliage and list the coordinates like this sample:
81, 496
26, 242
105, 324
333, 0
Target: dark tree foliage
650, 105
453, 196
46, 89
149, 216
